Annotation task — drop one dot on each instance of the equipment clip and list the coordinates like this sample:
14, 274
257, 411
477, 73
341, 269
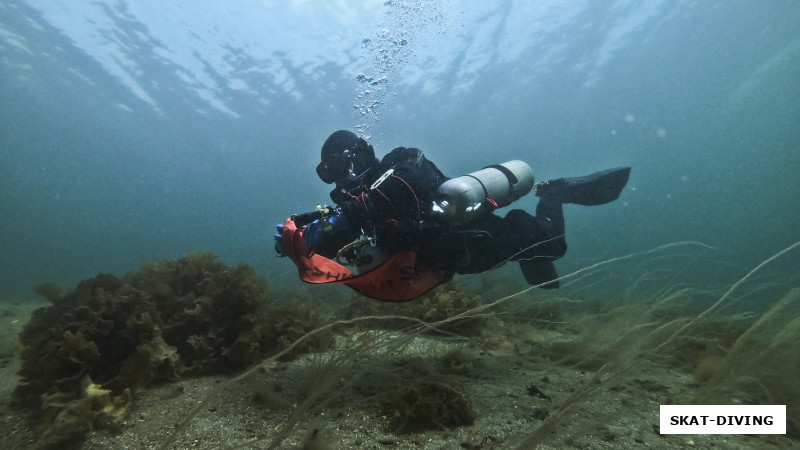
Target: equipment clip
382, 178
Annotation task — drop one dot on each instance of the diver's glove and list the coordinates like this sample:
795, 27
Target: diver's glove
279, 247
314, 232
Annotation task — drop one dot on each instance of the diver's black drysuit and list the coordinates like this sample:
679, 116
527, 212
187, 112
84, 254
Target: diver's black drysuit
397, 211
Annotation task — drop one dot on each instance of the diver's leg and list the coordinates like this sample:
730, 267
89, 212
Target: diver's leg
518, 236
540, 236
547, 242
550, 215
486, 244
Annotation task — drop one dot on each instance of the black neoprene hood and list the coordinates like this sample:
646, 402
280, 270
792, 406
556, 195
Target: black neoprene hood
343, 140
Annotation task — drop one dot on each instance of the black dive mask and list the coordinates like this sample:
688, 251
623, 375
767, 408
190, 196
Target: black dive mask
335, 167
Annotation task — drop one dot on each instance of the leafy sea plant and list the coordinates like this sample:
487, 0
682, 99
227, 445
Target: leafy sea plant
87, 353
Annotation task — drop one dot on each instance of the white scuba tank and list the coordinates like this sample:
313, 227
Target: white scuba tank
469, 196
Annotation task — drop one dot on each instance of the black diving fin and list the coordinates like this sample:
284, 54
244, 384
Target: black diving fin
598, 188
540, 271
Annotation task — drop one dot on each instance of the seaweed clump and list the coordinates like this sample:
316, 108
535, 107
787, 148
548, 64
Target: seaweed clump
424, 405
84, 355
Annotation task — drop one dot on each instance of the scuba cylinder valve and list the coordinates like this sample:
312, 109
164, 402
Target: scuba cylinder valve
469, 196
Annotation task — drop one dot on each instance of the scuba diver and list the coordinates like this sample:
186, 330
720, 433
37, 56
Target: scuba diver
405, 227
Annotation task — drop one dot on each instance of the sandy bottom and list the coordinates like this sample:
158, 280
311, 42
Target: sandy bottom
511, 389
